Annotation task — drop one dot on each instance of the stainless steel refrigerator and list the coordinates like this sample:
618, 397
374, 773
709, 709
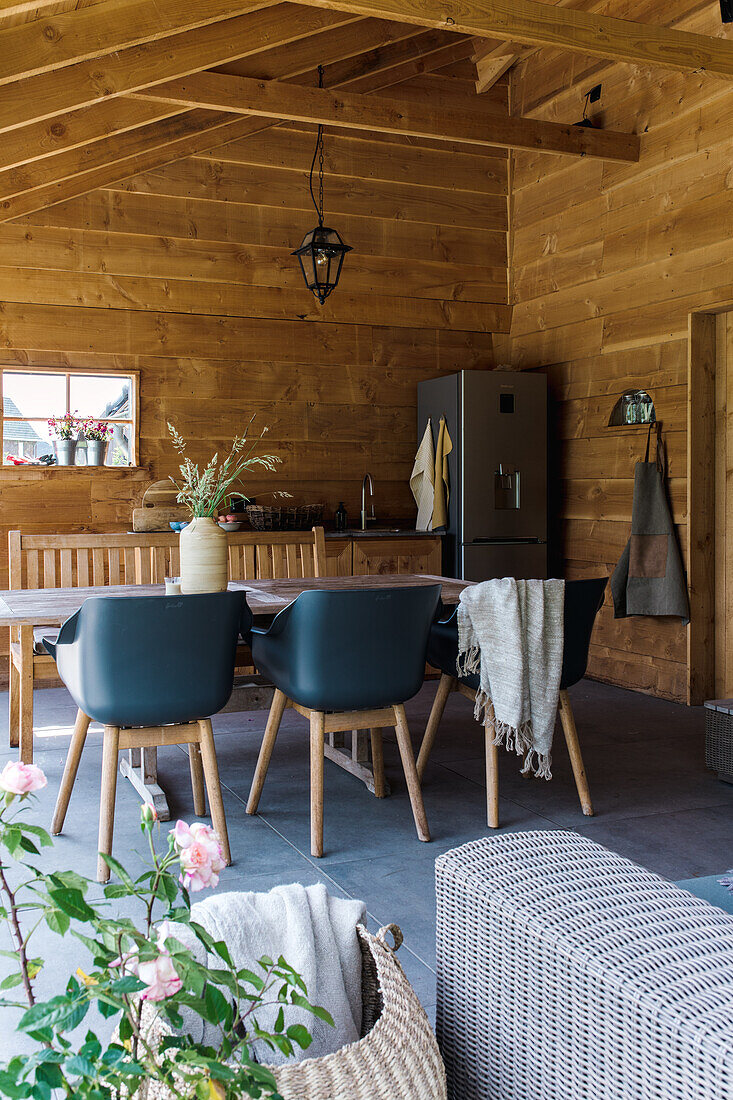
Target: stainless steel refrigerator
497, 512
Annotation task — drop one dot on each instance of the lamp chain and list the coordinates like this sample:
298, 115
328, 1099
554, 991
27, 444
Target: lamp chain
318, 152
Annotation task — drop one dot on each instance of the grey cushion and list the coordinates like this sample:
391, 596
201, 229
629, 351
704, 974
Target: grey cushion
41, 632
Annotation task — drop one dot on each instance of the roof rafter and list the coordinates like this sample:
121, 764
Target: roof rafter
80, 85
542, 24
156, 148
81, 34
278, 100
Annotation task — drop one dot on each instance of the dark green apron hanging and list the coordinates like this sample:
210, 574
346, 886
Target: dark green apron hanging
649, 579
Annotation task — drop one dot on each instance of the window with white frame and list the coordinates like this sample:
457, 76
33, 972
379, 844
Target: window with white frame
40, 406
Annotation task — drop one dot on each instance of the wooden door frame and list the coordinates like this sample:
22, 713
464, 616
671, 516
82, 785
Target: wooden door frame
702, 360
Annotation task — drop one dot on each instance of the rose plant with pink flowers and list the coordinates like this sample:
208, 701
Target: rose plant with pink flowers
133, 964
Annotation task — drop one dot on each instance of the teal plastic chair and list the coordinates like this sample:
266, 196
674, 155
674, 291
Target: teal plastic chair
347, 660
152, 670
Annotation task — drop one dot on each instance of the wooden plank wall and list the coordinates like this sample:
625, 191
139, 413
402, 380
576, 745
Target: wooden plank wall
606, 263
185, 274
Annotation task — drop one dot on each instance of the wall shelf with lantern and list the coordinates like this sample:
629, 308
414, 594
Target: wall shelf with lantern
634, 409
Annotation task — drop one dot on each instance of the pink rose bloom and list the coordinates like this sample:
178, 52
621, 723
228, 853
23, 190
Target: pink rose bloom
200, 854
160, 977
19, 778
159, 974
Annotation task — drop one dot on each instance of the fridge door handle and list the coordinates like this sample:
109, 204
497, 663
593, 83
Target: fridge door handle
507, 541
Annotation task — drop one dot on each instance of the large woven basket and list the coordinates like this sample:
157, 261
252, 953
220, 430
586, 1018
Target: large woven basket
297, 517
397, 1057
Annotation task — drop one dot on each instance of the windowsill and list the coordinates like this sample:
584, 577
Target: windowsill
72, 470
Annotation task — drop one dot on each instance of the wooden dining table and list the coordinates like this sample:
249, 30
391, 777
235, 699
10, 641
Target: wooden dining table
30, 608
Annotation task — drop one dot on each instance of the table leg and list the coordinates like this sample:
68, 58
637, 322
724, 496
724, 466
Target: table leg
140, 766
25, 694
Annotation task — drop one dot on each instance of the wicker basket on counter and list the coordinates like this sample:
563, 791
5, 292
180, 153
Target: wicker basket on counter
299, 517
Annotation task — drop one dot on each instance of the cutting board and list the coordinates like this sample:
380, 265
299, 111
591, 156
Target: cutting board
159, 508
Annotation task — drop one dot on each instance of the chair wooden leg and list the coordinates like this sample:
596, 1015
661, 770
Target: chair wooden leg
408, 765
110, 752
492, 777
317, 724
378, 762
13, 702
576, 760
197, 779
213, 785
71, 767
26, 694
445, 687
279, 701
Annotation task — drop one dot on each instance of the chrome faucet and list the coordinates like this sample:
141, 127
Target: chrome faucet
364, 517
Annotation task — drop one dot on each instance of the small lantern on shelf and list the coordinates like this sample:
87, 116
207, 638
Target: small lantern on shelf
322, 251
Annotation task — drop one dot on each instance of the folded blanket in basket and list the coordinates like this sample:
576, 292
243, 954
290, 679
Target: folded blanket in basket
316, 935
511, 633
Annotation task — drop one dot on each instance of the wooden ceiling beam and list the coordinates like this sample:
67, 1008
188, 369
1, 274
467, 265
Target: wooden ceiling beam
492, 59
44, 140
158, 145
88, 82
82, 34
543, 24
150, 147
278, 100
373, 65
417, 65
345, 44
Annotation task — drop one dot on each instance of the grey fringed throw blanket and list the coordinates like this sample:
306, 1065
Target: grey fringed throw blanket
510, 632
316, 934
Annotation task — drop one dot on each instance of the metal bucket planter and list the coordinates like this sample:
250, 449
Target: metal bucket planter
97, 451
65, 451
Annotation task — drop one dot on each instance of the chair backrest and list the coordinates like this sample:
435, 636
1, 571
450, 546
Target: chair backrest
344, 650
78, 561
583, 601
152, 660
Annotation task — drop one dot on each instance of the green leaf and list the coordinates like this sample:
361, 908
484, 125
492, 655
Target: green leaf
11, 981
71, 901
119, 870
57, 921
300, 1035
44, 839
316, 1010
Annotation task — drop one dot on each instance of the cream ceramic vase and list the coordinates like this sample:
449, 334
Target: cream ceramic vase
204, 566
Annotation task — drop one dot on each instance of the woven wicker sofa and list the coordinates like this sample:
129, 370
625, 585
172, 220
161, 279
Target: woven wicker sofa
566, 972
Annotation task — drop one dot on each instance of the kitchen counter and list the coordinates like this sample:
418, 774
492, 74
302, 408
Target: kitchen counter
383, 533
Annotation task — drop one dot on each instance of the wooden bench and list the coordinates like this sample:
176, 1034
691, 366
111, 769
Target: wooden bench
80, 561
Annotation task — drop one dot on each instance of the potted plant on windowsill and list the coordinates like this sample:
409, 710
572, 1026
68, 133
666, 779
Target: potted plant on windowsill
204, 565
97, 434
64, 431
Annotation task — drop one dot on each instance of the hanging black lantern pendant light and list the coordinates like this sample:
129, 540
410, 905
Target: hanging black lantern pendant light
322, 252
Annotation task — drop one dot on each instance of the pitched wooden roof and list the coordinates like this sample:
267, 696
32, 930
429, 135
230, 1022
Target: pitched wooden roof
96, 91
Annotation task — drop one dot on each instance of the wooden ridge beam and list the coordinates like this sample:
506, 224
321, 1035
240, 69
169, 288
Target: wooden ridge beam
278, 100
543, 24
81, 34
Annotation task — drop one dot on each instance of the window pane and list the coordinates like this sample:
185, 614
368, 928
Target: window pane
100, 395
119, 450
25, 439
33, 395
